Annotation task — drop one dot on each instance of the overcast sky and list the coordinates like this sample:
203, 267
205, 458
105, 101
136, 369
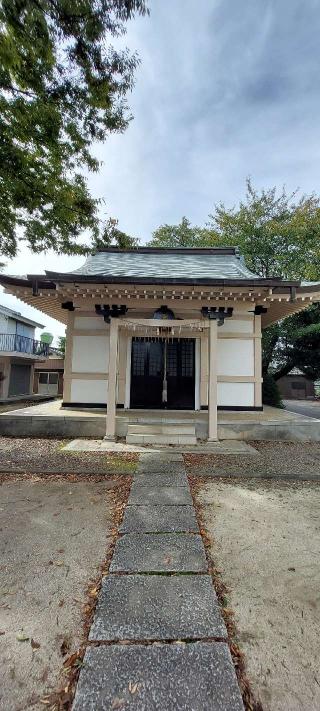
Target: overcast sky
225, 89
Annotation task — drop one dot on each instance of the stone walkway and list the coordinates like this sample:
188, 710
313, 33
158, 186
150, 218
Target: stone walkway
158, 600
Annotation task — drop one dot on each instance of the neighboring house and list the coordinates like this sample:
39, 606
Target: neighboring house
163, 329
48, 376
296, 386
19, 351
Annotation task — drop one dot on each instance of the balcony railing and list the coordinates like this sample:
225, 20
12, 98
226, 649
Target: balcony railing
12, 342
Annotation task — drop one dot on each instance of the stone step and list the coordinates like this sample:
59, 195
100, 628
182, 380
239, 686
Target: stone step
159, 553
197, 676
159, 519
157, 607
160, 495
161, 428
185, 439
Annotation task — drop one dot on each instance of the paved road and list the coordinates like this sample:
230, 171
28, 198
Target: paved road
304, 407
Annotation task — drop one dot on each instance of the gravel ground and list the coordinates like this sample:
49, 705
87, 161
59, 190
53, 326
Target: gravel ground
291, 460
45, 455
266, 544
53, 537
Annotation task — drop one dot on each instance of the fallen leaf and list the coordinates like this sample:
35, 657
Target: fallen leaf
34, 644
133, 687
65, 647
117, 703
71, 660
58, 562
22, 636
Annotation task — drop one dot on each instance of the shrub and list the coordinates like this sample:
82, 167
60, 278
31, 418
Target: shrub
270, 392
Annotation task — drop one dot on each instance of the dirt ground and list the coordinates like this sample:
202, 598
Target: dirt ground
266, 543
288, 460
26, 455
53, 537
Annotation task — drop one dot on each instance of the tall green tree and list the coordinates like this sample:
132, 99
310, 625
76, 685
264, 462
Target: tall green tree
62, 345
293, 343
62, 88
111, 236
277, 233
183, 234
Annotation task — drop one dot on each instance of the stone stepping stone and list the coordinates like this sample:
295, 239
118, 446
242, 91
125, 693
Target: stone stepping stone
160, 456
159, 479
160, 468
157, 495
158, 607
160, 552
197, 677
159, 519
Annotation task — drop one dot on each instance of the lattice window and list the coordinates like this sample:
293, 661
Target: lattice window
138, 357
187, 360
172, 359
155, 358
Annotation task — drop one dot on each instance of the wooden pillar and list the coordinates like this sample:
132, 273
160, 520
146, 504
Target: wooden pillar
257, 362
112, 381
212, 403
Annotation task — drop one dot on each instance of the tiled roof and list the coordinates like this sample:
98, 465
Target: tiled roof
187, 264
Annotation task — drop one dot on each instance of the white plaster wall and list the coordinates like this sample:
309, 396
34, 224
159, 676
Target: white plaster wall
235, 356
90, 354
89, 391
234, 326
88, 323
236, 394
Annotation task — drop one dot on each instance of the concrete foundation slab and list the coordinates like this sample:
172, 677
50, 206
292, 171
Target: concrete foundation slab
157, 553
159, 519
197, 676
157, 607
51, 419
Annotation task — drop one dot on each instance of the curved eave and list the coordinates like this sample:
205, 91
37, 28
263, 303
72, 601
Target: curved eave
78, 279
278, 310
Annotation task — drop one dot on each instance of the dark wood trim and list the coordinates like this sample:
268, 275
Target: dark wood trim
236, 408
111, 279
240, 408
171, 250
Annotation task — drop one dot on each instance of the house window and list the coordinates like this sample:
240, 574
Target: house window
48, 383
